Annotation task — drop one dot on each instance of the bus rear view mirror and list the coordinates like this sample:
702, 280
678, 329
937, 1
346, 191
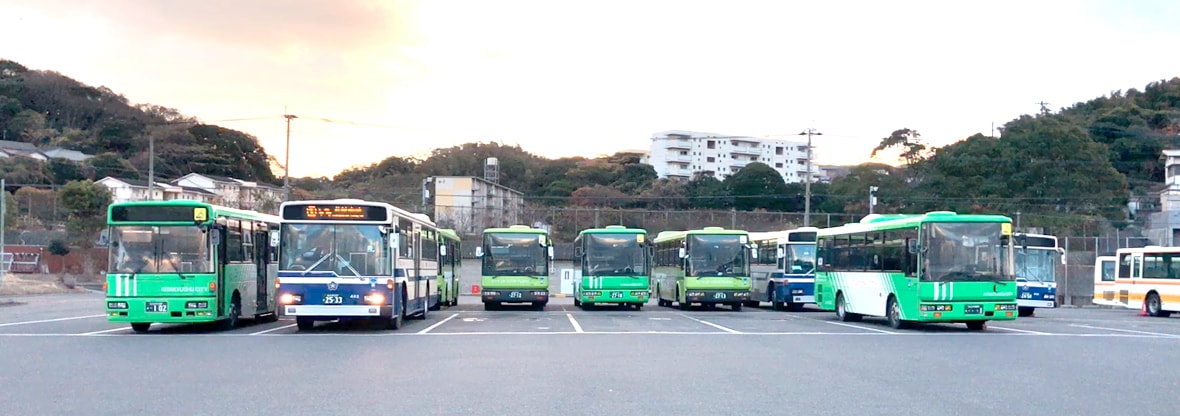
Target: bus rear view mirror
274, 238
780, 253
478, 251
442, 249
551, 252
681, 253
913, 246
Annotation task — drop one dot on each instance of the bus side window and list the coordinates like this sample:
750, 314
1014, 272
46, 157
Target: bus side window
1124, 266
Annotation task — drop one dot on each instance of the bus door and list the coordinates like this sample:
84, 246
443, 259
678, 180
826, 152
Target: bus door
261, 255
420, 289
224, 258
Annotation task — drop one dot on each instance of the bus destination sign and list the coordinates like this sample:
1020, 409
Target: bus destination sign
334, 212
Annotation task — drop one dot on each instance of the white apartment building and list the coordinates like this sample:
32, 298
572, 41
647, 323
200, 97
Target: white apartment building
123, 190
469, 204
680, 154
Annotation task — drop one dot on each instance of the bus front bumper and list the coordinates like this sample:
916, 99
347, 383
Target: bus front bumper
162, 310
716, 296
965, 311
335, 311
514, 295
614, 296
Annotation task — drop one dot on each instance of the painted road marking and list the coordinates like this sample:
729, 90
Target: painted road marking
437, 324
861, 327
273, 329
732, 331
52, 320
577, 328
1158, 334
1023, 331
105, 331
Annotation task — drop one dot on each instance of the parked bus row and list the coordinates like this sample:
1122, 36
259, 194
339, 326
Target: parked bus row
186, 261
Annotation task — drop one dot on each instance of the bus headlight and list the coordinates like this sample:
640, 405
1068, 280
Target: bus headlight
375, 299
1006, 307
196, 305
116, 305
290, 299
694, 294
935, 308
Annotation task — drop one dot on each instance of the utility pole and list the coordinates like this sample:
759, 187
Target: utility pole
872, 198
3, 213
807, 180
1017, 221
151, 167
287, 161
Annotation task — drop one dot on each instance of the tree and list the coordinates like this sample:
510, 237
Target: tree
912, 149
111, 164
706, 191
86, 203
599, 196
757, 186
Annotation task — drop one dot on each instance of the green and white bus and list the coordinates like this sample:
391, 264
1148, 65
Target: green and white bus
614, 264
450, 264
934, 267
183, 261
515, 266
710, 266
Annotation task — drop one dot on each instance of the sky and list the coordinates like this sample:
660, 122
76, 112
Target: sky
370, 79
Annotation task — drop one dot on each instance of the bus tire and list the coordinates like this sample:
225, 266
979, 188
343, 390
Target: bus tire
737, 307
140, 327
1155, 307
795, 307
491, 306
438, 304
842, 312
304, 324
638, 306
976, 325
235, 313
540, 306
268, 318
1024, 311
577, 302
893, 314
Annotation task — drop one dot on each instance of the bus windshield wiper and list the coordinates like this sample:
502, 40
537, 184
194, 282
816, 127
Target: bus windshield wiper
175, 268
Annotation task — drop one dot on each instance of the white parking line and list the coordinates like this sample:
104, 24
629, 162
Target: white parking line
861, 327
51, 320
1023, 331
1158, 334
272, 329
732, 331
436, 324
577, 328
105, 331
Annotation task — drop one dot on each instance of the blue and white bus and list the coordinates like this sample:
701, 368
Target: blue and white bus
1036, 260
784, 271
349, 259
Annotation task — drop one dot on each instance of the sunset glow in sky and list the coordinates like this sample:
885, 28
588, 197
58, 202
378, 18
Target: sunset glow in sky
565, 78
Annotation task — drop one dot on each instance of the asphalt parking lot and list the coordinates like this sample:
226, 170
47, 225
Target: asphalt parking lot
61, 355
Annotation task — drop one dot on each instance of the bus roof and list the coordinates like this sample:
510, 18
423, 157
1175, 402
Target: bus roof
877, 222
613, 229
214, 211
674, 235
449, 234
1036, 240
1148, 249
783, 236
517, 229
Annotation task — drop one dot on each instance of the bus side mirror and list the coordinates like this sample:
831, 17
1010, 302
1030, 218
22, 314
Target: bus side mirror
274, 238
913, 246
478, 251
442, 249
753, 251
1063, 256
215, 237
394, 241
681, 253
550, 252
780, 253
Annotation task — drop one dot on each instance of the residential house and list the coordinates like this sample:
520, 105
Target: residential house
10, 148
60, 153
123, 190
236, 193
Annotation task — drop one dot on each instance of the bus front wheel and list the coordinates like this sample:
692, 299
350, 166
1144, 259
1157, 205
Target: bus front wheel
304, 324
977, 325
1025, 312
842, 310
140, 327
737, 307
893, 314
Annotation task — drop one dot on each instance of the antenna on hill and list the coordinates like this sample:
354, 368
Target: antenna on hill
1044, 107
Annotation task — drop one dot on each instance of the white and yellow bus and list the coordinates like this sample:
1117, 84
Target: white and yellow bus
1148, 278
1104, 270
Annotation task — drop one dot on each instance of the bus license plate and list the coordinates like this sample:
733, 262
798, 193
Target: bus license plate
333, 299
719, 295
515, 295
973, 309
156, 307
616, 295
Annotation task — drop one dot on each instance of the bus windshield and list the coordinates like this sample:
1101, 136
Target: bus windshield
614, 255
800, 259
152, 249
514, 255
716, 255
963, 252
1037, 265
346, 250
